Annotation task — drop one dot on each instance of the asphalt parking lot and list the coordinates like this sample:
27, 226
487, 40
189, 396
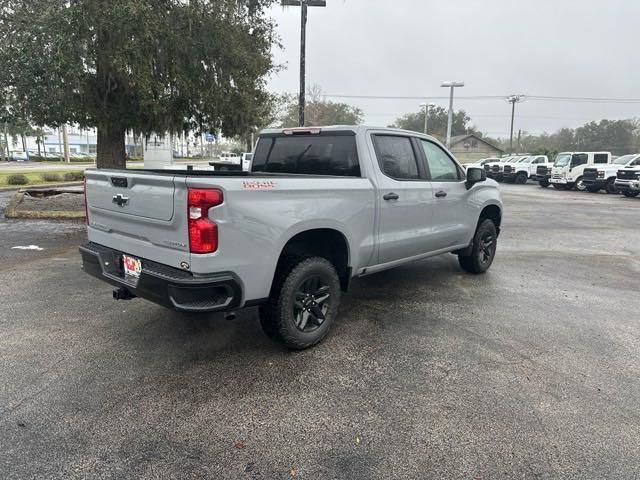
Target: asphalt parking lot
529, 371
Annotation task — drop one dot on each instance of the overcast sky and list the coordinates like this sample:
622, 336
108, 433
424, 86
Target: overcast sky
574, 48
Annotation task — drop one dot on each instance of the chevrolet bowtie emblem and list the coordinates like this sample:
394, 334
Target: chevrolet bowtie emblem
120, 200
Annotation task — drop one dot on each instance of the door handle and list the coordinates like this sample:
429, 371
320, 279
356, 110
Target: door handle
441, 194
391, 196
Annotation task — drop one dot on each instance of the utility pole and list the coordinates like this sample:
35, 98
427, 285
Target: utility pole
304, 4
65, 141
426, 107
450, 85
513, 99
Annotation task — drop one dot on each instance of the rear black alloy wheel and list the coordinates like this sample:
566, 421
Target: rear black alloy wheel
304, 303
483, 249
311, 303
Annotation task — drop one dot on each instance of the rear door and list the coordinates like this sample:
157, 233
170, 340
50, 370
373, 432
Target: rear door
406, 198
451, 225
140, 213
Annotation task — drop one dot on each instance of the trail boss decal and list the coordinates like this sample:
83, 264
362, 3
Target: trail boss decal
258, 185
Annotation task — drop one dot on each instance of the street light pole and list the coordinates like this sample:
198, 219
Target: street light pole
450, 85
303, 4
513, 99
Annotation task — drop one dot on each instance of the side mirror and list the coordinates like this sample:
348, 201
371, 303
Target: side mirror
475, 175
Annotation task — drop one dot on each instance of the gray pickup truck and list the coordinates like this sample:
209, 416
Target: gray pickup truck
319, 207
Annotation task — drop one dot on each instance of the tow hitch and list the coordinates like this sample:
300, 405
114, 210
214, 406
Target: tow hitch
122, 294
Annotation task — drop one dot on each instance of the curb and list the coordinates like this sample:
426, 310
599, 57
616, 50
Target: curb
40, 185
12, 212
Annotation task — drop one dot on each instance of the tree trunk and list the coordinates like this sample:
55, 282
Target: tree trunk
110, 149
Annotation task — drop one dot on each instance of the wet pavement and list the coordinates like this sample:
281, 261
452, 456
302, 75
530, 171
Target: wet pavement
529, 371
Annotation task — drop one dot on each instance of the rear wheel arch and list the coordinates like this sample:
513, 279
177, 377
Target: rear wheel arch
327, 243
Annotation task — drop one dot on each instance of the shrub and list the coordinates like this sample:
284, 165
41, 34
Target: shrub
73, 176
17, 179
51, 177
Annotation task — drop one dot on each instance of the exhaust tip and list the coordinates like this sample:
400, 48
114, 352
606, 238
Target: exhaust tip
230, 316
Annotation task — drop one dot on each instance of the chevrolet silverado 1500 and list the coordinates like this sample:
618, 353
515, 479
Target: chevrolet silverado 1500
319, 207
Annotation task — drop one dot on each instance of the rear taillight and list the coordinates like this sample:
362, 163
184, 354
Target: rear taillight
203, 232
86, 207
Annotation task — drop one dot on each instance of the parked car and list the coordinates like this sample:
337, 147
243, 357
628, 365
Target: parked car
604, 176
628, 181
18, 156
523, 169
568, 168
320, 206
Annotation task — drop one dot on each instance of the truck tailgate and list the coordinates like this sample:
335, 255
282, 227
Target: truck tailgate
135, 212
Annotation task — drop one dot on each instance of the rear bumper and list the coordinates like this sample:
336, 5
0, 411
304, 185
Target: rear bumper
166, 286
595, 183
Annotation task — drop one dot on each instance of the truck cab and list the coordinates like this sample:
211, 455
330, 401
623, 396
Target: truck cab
568, 168
604, 177
524, 169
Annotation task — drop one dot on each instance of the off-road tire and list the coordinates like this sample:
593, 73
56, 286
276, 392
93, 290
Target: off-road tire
474, 263
610, 186
521, 178
277, 315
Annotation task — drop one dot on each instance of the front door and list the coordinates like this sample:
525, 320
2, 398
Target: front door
406, 199
452, 224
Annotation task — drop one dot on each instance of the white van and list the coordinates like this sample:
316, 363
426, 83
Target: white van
568, 168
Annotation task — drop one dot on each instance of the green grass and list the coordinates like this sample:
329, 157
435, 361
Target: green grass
35, 178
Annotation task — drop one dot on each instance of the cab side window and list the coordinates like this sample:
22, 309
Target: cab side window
600, 158
396, 157
441, 167
579, 159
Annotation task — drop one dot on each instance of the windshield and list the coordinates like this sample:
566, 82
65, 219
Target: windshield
562, 160
524, 160
623, 160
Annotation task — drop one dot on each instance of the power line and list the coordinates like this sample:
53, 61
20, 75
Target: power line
488, 97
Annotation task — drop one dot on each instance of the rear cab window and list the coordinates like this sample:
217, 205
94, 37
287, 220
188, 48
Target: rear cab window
328, 153
396, 157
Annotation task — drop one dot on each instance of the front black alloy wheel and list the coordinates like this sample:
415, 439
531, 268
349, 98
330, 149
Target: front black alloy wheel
630, 193
483, 248
303, 304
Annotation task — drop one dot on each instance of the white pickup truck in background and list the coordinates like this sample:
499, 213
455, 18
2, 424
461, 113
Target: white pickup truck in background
604, 177
523, 169
628, 181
